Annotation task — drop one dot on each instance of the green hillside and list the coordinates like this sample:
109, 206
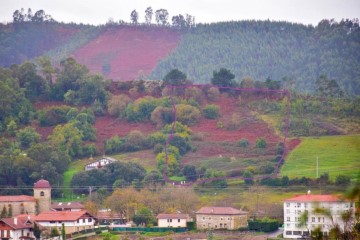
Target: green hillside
262, 49
338, 155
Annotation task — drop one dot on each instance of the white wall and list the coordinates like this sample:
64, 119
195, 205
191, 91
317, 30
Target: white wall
172, 222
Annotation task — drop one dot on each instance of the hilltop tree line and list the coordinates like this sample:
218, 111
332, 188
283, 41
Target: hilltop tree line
162, 18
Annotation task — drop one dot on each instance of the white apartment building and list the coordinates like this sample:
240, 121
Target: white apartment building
295, 207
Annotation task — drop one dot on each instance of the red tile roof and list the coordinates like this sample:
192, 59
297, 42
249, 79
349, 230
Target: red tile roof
42, 184
173, 216
315, 198
62, 216
220, 211
21, 222
17, 198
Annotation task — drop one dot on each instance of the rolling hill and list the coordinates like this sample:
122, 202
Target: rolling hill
259, 49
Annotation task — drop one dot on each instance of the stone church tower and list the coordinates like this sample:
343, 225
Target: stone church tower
42, 194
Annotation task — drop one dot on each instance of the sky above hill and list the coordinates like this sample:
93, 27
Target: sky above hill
205, 11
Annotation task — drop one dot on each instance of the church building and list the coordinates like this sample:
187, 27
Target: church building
24, 204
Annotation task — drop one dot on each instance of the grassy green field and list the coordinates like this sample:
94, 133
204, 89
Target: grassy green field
338, 155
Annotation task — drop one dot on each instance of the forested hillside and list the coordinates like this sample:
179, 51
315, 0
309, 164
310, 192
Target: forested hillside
295, 53
262, 49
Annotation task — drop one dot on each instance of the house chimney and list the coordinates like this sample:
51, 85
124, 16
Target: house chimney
15, 221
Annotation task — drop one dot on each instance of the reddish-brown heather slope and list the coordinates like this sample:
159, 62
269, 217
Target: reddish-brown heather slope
130, 51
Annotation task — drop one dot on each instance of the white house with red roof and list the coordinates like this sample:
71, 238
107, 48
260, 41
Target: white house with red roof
99, 163
296, 206
174, 220
221, 218
73, 221
19, 227
24, 204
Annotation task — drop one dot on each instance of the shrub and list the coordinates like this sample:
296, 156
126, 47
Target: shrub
158, 148
264, 225
235, 122
117, 105
157, 138
267, 169
173, 165
97, 108
114, 145
342, 180
53, 115
141, 109
243, 143
178, 128
187, 114
161, 116
27, 136
182, 143
135, 141
211, 111
260, 143
213, 94
194, 93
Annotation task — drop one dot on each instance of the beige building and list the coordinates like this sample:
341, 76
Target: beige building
221, 218
24, 204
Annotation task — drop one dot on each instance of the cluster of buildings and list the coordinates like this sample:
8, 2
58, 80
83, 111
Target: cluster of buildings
38, 209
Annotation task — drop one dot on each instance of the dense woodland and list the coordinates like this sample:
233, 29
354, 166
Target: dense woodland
279, 50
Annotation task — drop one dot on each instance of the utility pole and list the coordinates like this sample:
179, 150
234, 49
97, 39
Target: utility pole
317, 166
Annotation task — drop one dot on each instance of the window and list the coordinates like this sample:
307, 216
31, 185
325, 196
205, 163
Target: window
52, 221
288, 232
299, 211
305, 205
178, 220
297, 232
83, 220
204, 218
78, 221
298, 205
42, 193
287, 204
313, 219
90, 220
209, 218
319, 219
170, 220
288, 225
288, 219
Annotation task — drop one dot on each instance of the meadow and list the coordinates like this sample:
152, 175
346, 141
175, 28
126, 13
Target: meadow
337, 155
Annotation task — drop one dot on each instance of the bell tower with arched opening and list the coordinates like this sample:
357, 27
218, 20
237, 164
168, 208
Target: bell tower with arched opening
42, 194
